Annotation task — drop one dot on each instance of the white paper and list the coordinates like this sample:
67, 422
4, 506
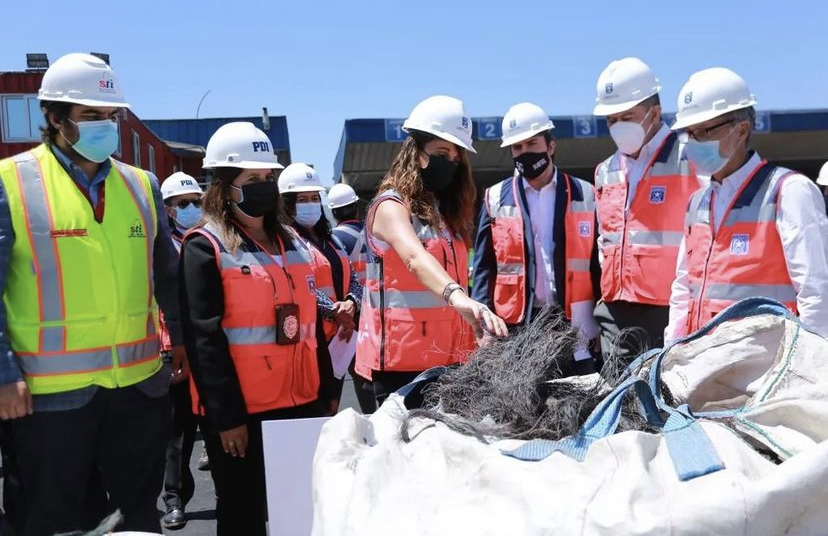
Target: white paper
289, 447
342, 352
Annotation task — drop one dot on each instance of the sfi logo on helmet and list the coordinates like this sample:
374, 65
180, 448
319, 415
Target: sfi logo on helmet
106, 86
688, 97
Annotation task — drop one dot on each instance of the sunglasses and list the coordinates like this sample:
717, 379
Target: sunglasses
184, 203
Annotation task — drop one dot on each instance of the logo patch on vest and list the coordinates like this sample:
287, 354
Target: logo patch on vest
136, 230
291, 326
584, 228
311, 283
740, 244
657, 194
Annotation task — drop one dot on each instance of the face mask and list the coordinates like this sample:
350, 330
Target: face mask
258, 198
532, 165
705, 156
307, 214
188, 217
439, 173
629, 136
97, 140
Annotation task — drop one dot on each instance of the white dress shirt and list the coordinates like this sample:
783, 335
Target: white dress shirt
803, 228
541, 204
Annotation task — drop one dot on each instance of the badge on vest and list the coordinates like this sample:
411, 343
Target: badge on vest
311, 283
584, 228
287, 324
740, 244
657, 194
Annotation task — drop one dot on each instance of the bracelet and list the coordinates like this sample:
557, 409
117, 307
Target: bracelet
450, 288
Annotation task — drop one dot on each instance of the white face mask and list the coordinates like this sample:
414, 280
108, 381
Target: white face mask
307, 214
629, 136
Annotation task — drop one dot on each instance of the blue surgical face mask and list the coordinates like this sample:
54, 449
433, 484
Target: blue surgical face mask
97, 140
307, 214
706, 156
188, 217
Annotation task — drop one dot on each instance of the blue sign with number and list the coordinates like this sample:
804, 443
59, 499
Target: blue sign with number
488, 128
584, 126
394, 131
762, 123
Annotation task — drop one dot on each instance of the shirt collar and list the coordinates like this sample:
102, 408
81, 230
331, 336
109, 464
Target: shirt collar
735, 180
75, 171
550, 186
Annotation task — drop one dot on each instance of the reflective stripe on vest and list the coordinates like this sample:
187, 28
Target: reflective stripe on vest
744, 257
640, 241
358, 255
57, 347
508, 242
403, 325
271, 376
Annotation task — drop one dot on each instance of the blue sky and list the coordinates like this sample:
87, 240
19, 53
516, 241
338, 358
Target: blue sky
322, 62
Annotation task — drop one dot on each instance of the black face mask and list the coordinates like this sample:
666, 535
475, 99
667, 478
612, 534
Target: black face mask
439, 173
258, 198
532, 165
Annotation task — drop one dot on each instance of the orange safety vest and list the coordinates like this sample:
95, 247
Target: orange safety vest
640, 245
510, 250
358, 255
323, 274
744, 258
403, 325
271, 375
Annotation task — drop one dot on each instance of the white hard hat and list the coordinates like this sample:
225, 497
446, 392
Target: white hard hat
523, 121
822, 179
341, 195
299, 177
711, 93
624, 84
240, 145
179, 184
444, 117
82, 79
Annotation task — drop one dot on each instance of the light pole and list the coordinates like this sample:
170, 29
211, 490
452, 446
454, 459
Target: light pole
202, 100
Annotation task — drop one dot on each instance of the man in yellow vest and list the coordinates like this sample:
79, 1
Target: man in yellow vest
85, 252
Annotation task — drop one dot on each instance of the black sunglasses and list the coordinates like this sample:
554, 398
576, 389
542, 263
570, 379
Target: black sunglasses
184, 203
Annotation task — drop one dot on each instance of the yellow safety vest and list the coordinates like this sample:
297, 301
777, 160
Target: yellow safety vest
79, 294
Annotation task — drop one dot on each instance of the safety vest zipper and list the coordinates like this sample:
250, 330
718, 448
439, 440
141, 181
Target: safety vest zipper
381, 281
713, 233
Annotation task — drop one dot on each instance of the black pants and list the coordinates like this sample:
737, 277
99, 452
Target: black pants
364, 390
12, 486
629, 329
240, 482
178, 478
121, 432
386, 383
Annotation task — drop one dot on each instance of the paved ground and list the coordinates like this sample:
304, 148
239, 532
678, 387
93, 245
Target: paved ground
201, 513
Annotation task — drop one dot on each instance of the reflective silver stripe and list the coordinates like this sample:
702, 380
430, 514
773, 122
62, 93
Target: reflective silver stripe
607, 178
52, 338
263, 334
50, 285
612, 239
137, 351
581, 206
244, 258
734, 292
510, 268
142, 197
493, 199
655, 238
373, 270
396, 299
577, 265
423, 231
752, 214
63, 363
353, 233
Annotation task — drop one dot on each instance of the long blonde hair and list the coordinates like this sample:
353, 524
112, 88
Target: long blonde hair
455, 204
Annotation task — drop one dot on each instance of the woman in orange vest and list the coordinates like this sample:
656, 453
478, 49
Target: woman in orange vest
249, 312
415, 311
338, 290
